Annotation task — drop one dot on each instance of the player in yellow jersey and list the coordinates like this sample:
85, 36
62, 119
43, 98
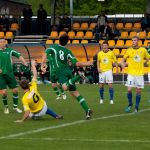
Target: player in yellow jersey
148, 46
34, 105
105, 61
135, 71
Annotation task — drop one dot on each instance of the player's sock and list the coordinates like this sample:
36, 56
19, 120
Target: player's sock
83, 103
111, 93
5, 102
101, 93
15, 100
50, 112
73, 80
61, 90
129, 95
56, 91
138, 98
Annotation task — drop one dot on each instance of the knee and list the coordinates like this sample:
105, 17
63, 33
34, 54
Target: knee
15, 91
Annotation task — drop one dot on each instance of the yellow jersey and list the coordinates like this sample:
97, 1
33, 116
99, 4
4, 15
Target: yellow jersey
136, 60
106, 60
32, 100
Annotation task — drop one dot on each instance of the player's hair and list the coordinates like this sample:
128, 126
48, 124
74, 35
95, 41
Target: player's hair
105, 42
63, 40
135, 37
24, 84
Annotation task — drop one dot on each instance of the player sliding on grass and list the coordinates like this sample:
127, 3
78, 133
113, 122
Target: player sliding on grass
34, 105
61, 57
7, 77
135, 71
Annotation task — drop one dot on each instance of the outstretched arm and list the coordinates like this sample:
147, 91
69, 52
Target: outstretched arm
43, 68
25, 117
33, 65
23, 61
84, 64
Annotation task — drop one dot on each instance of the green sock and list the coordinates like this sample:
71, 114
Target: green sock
56, 91
15, 100
83, 103
5, 102
61, 90
73, 80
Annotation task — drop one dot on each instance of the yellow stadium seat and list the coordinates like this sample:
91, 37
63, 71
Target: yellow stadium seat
56, 42
128, 43
140, 43
123, 51
88, 35
145, 70
111, 24
92, 26
49, 41
54, 34
101, 41
128, 26
9, 35
84, 26
114, 70
84, 41
111, 43
119, 60
76, 26
2, 34
116, 51
148, 35
14, 27
137, 26
75, 42
119, 26
125, 70
61, 33
146, 42
142, 35
124, 35
79, 35
120, 43
71, 34
132, 34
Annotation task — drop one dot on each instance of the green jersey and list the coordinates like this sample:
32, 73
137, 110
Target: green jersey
59, 57
6, 61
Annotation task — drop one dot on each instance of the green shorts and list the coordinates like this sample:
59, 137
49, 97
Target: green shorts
8, 80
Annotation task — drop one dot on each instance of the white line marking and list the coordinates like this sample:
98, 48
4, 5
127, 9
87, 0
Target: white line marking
66, 125
84, 140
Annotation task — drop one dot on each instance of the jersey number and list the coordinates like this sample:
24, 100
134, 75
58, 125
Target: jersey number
61, 55
35, 98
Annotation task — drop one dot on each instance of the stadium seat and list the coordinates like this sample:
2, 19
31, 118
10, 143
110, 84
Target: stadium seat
79, 35
132, 34
124, 71
56, 42
75, 42
2, 34
123, 51
14, 27
148, 35
119, 60
61, 33
49, 41
111, 24
120, 43
71, 34
142, 35
124, 35
54, 34
101, 41
114, 70
140, 43
145, 70
146, 42
111, 43
128, 43
116, 51
136, 26
92, 26
119, 26
88, 35
84, 41
84, 26
76, 26
9, 35
128, 26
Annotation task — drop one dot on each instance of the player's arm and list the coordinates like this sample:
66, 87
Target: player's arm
43, 62
25, 116
98, 64
23, 61
126, 55
84, 64
33, 64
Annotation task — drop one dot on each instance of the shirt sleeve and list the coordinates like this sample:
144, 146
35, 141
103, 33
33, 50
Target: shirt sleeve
33, 84
15, 53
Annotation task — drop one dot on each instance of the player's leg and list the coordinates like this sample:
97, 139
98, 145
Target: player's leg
62, 92
111, 93
56, 90
101, 87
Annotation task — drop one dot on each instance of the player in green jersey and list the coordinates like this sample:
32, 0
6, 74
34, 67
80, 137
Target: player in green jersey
7, 77
61, 57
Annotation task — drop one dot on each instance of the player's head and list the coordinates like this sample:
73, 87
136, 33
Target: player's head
24, 84
105, 46
148, 44
63, 40
3, 44
135, 41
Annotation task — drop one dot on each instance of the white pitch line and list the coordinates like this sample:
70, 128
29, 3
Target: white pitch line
66, 125
84, 140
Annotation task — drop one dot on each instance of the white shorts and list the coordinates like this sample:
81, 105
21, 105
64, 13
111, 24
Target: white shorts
106, 77
149, 77
40, 113
135, 81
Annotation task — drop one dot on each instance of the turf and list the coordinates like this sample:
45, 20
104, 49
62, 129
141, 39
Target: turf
110, 127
